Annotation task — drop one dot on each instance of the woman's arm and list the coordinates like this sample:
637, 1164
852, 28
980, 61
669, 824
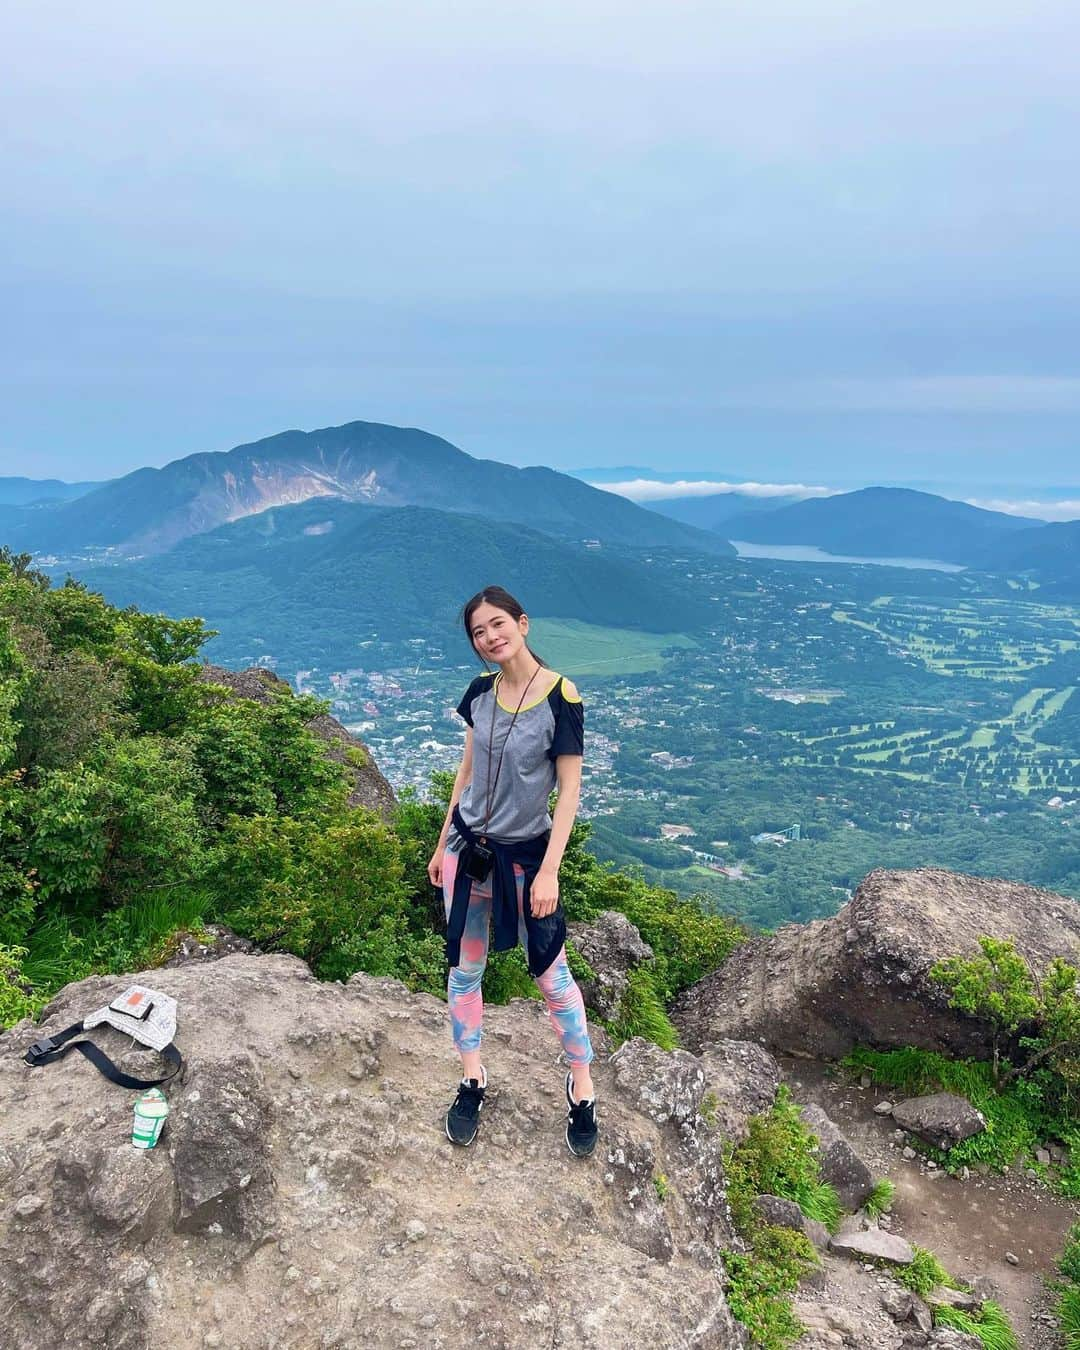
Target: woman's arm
462, 779
544, 893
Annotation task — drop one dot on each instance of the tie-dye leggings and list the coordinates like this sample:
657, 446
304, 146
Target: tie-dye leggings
565, 1006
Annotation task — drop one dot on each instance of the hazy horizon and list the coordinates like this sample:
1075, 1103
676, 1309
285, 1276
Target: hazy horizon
809, 242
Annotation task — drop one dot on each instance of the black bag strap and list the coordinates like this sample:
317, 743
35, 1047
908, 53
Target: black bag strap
51, 1048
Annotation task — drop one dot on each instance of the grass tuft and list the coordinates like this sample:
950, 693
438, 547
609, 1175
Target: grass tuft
989, 1323
880, 1198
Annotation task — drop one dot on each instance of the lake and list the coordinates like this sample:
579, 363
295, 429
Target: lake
810, 553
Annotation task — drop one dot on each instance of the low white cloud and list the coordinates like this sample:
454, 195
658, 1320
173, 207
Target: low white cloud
1067, 510
650, 490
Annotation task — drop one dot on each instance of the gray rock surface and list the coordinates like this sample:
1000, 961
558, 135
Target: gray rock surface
941, 1118
613, 947
369, 787
863, 976
874, 1243
743, 1079
946, 1338
304, 1194
217, 942
782, 1213
841, 1166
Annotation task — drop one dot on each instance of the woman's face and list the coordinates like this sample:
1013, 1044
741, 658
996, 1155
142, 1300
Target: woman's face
495, 634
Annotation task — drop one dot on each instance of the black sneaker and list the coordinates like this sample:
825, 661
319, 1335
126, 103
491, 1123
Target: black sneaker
463, 1118
581, 1128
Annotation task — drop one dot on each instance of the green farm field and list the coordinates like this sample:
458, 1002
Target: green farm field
582, 649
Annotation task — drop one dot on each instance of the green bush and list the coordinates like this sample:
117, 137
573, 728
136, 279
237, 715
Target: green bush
759, 1285
779, 1157
16, 1002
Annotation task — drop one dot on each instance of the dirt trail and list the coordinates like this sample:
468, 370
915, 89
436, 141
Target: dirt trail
968, 1224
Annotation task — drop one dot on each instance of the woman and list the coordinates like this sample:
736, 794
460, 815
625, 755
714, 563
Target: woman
499, 852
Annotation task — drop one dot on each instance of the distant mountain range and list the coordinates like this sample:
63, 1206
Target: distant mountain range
715, 511
628, 473
885, 522
24, 491
306, 582
152, 510
1050, 552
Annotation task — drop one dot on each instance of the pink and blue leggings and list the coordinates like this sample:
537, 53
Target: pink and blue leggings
565, 1006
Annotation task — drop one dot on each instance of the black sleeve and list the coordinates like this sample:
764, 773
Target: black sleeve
569, 735
464, 708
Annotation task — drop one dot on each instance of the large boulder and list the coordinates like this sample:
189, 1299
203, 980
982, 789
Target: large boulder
941, 1118
368, 787
613, 947
840, 1165
819, 989
304, 1194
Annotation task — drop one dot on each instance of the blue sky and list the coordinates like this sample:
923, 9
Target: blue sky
797, 242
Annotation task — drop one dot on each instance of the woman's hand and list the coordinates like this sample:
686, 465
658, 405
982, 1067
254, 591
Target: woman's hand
434, 867
544, 893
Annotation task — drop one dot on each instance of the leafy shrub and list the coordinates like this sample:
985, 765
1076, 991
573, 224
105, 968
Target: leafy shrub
309, 885
1069, 1261
760, 1282
16, 1002
779, 1157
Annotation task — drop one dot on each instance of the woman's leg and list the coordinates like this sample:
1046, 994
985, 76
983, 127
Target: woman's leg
566, 1008
463, 985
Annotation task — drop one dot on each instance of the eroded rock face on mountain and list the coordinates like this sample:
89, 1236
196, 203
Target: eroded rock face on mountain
862, 976
369, 787
304, 1193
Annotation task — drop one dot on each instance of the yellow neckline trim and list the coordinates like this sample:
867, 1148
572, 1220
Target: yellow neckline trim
525, 706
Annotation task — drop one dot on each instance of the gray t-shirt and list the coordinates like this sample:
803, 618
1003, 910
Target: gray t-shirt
546, 727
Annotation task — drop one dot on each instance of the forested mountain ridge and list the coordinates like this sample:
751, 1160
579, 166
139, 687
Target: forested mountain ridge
308, 580
151, 510
1051, 554
883, 522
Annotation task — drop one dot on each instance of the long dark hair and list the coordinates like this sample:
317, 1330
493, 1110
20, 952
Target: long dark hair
501, 599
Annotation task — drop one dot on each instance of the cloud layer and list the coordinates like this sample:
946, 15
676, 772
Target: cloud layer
651, 490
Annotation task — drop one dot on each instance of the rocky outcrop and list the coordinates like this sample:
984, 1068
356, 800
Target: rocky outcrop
304, 1193
613, 947
840, 1165
369, 788
862, 976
